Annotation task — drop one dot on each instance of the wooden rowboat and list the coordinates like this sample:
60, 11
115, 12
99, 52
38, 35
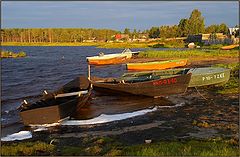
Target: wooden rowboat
157, 65
117, 58
56, 106
229, 47
200, 76
153, 87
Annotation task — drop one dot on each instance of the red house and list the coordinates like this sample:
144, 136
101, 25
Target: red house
118, 36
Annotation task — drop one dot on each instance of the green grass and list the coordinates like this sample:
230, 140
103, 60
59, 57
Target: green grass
214, 46
27, 148
188, 53
96, 146
124, 45
112, 147
70, 150
98, 44
235, 67
190, 148
171, 148
232, 86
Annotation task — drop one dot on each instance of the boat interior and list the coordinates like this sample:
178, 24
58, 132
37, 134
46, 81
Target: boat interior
142, 76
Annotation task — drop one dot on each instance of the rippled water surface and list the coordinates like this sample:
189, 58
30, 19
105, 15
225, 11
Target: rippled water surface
45, 68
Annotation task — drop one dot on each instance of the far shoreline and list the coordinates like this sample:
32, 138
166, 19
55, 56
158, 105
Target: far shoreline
98, 44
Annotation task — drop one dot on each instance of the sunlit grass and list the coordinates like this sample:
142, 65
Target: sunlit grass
27, 148
112, 147
171, 148
124, 45
191, 148
214, 46
145, 44
232, 86
188, 53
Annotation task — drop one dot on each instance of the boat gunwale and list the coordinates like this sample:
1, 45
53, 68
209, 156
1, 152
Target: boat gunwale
157, 62
177, 69
149, 81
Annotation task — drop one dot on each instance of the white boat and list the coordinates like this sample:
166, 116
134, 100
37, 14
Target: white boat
126, 53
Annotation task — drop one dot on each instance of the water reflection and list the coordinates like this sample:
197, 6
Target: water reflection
103, 103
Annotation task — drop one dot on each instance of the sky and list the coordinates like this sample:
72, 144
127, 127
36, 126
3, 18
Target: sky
116, 15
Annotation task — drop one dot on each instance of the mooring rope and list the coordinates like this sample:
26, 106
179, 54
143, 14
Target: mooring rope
200, 94
209, 101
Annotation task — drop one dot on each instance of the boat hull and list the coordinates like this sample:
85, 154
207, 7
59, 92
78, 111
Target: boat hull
157, 65
208, 76
200, 76
152, 88
52, 114
107, 61
229, 47
51, 109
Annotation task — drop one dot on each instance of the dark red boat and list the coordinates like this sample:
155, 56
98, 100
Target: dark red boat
153, 87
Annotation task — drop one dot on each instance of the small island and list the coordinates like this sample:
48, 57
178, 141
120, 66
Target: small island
9, 54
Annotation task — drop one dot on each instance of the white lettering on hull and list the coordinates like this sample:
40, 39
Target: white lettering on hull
210, 77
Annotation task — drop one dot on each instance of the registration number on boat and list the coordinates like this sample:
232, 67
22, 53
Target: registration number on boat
165, 81
217, 76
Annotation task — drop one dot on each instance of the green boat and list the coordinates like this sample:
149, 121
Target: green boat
200, 76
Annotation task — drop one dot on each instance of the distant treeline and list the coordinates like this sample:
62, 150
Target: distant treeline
55, 34
188, 26
192, 25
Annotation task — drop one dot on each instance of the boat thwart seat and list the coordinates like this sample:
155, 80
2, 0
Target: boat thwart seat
71, 94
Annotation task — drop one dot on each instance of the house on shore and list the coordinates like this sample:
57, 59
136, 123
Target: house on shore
119, 37
233, 34
213, 38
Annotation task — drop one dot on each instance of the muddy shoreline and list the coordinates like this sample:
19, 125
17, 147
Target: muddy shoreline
218, 113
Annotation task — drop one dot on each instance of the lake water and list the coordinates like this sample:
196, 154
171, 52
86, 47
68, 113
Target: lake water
48, 68
45, 68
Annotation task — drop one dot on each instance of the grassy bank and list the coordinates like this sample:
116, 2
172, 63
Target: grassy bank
124, 45
154, 44
9, 54
111, 147
190, 148
27, 148
232, 86
188, 53
97, 44
147, 44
